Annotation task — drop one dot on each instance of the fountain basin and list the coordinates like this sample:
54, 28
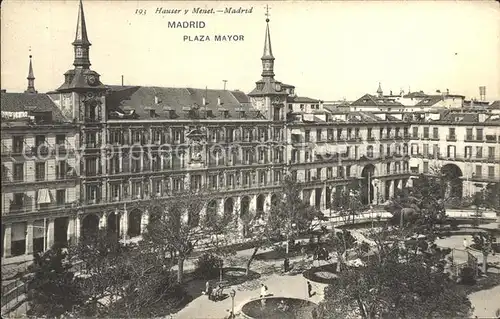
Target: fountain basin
272, 308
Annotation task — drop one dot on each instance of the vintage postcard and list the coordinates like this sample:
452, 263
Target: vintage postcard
250, 159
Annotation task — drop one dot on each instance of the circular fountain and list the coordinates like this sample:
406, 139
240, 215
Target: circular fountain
278, 308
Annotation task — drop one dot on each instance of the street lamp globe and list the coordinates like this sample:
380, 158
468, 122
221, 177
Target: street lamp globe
232, 293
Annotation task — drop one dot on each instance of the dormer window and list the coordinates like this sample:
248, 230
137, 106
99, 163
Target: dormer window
210, 113
260, 86
242, 114
152, 113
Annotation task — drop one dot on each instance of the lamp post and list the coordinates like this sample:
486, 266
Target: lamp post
232, 293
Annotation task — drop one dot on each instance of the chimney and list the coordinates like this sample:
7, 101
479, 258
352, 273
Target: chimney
4, 91
391, 92
218, 101
204, 101
482, 93
122, 80
156, 99
447, 91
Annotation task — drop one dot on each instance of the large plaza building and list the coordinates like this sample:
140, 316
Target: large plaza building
88, 155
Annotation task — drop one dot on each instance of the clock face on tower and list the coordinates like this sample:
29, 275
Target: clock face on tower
92, 80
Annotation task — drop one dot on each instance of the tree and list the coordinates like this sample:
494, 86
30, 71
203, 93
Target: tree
421, 206
483, 242
176, 225
347, 203
289, 217
405, 281
122, 280
52, 288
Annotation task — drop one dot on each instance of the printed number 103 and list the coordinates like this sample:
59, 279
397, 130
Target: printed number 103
140, 11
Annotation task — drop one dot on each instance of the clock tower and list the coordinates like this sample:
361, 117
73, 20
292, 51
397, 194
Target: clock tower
82, 100
268, 96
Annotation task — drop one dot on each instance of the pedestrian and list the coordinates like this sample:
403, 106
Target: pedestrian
263, 290
309, 289
207, 287
465, 243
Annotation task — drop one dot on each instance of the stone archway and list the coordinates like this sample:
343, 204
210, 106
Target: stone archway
90, 226
228, 208
260, 205
211, 212
452, 176
274, 200
61, 231
245, 207
367, 186
113, 222
134, 223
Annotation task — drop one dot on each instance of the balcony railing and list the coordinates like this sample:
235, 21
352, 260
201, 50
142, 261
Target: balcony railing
468, 138
451, 137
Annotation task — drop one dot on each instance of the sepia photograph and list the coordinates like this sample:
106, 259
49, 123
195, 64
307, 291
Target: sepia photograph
250, 159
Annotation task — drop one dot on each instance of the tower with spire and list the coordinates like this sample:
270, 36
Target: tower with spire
31, 79
268, 96
380, 93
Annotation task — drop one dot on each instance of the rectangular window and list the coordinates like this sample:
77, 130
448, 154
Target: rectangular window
329, 134
491, 152
329, 172
318, 134
426, 167
479, 170
318, 173
435, 132
60, 196
468, 151
18, 172
17, 144
426, 132
479, 134
415, 131
479, 151
307, 135
40, 171
426, 150
491, 171
468, 135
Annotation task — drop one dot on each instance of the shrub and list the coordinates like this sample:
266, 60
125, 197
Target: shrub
467, 276
207, 266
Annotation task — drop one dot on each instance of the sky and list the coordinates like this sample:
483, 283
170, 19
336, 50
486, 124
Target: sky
328, 50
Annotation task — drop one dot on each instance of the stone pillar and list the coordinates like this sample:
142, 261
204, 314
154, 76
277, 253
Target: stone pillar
323, 199
103, 221
144, 220
375, 194
7, 240
253, 204
220, 207
124, 224
50, 232
391, 189
267, 203
29, 238
78, 227
236, 214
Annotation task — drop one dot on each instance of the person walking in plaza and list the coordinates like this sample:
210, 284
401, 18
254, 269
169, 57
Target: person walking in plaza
466, 245
309, 289
263, 290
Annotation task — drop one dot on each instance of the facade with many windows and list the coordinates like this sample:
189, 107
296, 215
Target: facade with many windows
110, 150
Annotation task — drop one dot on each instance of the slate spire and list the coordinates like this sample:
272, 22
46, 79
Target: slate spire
267, 57
31, 79
81, 43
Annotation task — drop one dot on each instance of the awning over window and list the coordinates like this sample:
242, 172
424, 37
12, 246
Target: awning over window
18, 231
43, 196
38, 229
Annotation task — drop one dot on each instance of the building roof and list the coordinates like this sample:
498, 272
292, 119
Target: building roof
144, 99
375, 101
30, 102
302, 99
495, 105
420, 94
430, 100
